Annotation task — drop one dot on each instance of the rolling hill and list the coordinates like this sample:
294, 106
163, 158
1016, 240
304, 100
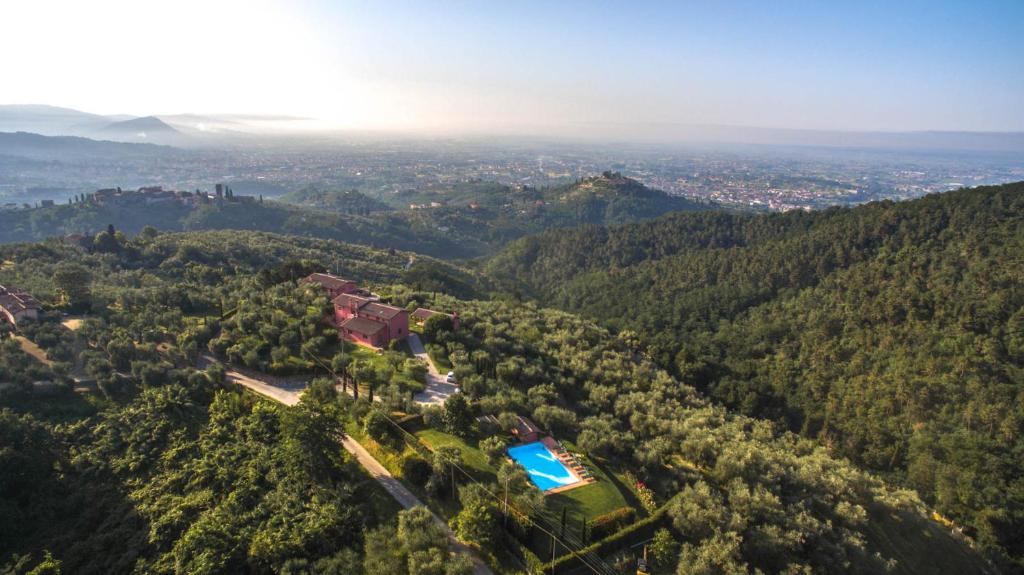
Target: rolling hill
49, 120
184, 471
892, 333
448, 231
339, 201
64, 148
129, 216
494, 214
146, 129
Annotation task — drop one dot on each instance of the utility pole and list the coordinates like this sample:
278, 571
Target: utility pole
642, 568
553, 543
505, 506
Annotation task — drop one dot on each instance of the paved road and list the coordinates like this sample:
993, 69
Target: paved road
402, 495
437, 389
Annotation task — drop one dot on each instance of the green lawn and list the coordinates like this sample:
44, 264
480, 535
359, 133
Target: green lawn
378, 361
473, 458
592, 500
586, 502
362, 353
603, 496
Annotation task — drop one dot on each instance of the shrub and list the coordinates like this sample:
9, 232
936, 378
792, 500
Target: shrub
493, 447
457, 416
416, 470
604, 525
379, 428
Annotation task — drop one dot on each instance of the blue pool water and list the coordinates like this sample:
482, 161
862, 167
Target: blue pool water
544, 469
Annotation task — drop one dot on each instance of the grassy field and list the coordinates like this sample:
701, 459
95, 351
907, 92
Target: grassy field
588, 501
473, 458
592, 500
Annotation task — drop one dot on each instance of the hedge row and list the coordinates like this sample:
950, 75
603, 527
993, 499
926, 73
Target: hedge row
611, 522
643, 528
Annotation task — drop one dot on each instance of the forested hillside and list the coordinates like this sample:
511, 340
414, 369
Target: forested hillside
382, 231
340, 201
451, 227
495, 214
893, 333
146, 464
162, 469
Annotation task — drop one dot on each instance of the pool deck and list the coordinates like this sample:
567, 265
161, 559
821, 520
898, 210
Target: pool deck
575, 468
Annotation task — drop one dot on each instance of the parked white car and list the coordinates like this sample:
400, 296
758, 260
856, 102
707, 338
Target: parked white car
450, 378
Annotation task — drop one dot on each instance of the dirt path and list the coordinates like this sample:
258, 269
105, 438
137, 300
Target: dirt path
30, 347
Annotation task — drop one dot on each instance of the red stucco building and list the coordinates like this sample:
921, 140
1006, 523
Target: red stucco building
332, 284
16, 305
364, 320
358, 316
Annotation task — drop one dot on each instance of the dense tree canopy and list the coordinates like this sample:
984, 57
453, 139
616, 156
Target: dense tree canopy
163, 469
891, 332
785, 503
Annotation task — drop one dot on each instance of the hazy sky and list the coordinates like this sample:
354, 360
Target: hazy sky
543, 66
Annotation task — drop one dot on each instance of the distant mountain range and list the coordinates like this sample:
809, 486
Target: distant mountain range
149, 128
212, 129
176, 129
51, 120
70, 148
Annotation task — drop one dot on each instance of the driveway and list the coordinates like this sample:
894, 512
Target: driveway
437, 390
404, 497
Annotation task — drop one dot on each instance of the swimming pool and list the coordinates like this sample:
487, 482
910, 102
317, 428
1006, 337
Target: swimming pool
544, 469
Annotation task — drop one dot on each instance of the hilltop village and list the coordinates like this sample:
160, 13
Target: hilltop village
158, 195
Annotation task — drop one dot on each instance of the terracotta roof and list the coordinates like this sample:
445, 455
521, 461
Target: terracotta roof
362, 326
525, 426
380, 310
424, 313
14, 300
327, 280
11, 303
347, 299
